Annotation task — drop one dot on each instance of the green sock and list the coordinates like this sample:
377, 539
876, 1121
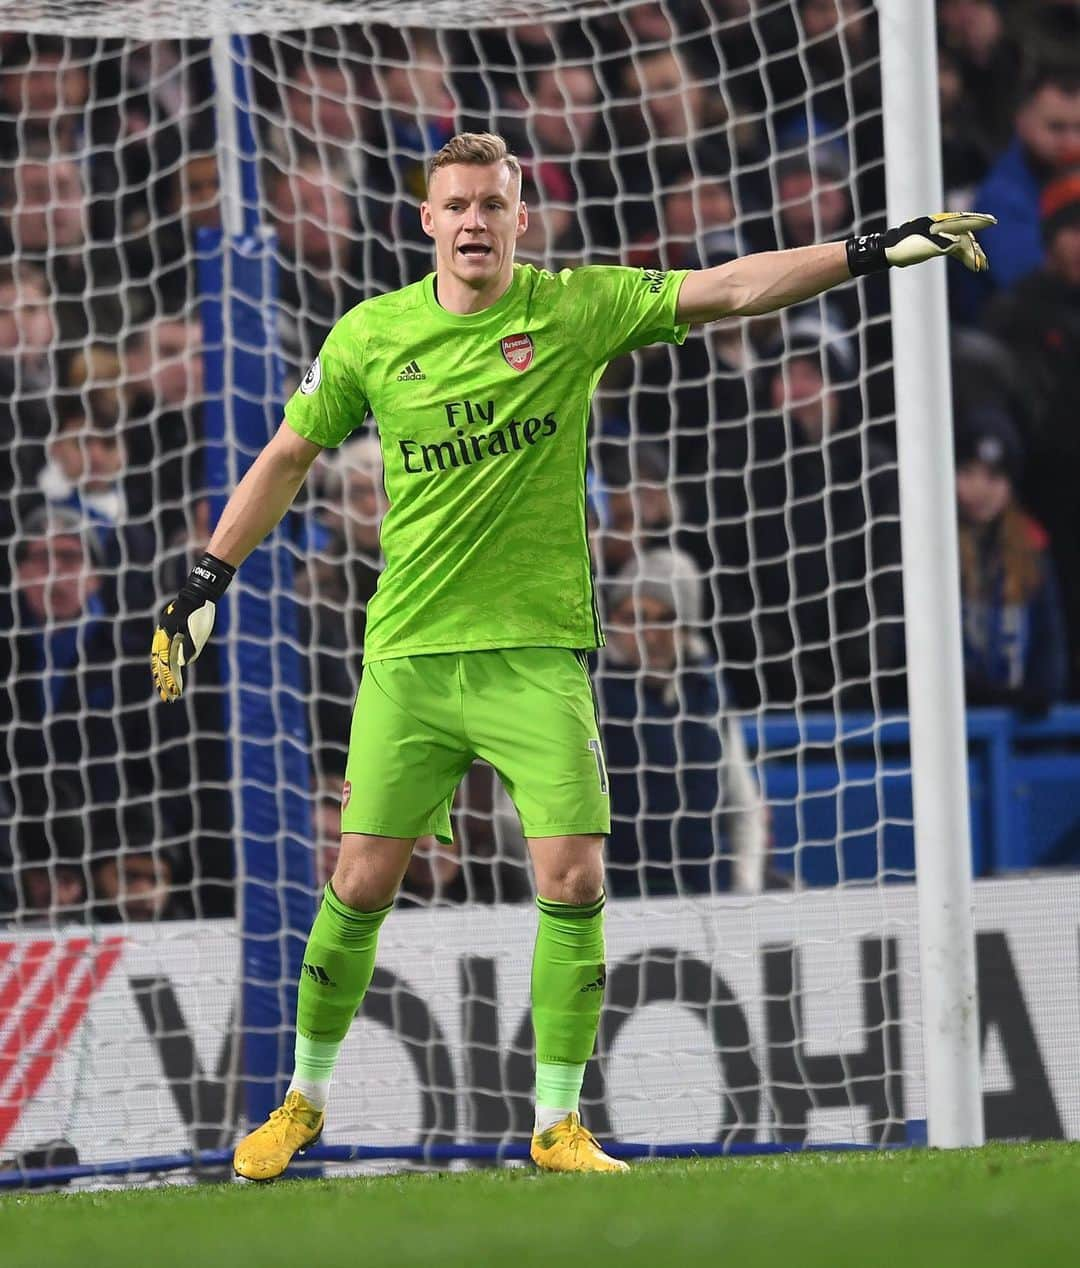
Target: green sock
568, 977
338, 963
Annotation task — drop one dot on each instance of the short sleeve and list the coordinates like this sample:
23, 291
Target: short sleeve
330, 402
629, 308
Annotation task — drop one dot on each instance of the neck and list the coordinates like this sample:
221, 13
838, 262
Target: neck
458, 298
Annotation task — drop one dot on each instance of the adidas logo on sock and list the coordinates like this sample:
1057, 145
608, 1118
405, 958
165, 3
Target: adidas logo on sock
597, 985
318, 974
411, 373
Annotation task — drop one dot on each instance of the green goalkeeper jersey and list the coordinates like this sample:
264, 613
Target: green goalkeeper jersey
482, 421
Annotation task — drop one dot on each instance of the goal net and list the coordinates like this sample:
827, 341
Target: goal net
188, 201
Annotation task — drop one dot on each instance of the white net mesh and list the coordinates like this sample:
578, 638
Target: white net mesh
743, 494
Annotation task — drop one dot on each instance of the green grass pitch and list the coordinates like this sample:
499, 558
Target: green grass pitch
1003, 1205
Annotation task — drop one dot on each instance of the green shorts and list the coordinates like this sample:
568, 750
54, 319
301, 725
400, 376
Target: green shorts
420, 721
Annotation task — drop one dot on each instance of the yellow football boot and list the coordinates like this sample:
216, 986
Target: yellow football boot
569, 1147
290, 1129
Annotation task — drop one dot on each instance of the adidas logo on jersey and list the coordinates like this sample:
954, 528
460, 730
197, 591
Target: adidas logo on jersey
411, 373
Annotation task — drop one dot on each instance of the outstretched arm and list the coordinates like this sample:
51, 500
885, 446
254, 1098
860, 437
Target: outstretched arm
774, 279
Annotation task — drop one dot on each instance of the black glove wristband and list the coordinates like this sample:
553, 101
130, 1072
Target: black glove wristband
866, 254
209, 579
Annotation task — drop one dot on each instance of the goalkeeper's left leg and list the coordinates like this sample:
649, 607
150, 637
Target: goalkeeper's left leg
568, 981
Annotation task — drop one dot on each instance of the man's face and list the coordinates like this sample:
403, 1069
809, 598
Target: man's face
819, 17
168, 363
800, 195
48, 211
1063, 254
419, 88
643, 631
632, 513
202, 191
319, 103
136, 884
312, 219
44, 89
565, 109
1049, 126
91, 459
26, 324
55, 578
673, 105
699, 209
475, 214
799, 387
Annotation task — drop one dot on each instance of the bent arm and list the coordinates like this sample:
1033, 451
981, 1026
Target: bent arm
263, 496
762, 283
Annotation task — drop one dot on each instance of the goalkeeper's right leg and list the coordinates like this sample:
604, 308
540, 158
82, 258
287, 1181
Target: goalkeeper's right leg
400, 782
338, 964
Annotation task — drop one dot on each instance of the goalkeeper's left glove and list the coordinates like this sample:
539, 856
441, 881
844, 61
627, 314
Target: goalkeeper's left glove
947, 233
184, 626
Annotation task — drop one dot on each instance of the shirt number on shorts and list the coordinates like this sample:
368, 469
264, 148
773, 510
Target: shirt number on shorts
598, 753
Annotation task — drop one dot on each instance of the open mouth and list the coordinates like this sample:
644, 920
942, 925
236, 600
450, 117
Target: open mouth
474, 250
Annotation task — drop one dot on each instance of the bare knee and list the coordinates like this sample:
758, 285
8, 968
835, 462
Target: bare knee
568, 869
369, 870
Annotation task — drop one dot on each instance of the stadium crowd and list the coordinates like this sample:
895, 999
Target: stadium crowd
743, 497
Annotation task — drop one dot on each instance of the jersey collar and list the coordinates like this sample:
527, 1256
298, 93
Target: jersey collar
473, 321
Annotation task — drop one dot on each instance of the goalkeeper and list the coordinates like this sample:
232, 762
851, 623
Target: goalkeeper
480, 378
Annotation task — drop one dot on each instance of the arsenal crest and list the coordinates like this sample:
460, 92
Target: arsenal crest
517, 351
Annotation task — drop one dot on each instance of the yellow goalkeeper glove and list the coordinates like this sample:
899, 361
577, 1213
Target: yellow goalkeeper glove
947, 233
185, 625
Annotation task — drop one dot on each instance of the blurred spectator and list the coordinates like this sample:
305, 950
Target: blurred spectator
47, 858
321, 267
137, 148
86, 463
27, 333
44, 87
192, 201
552, 238
632, 504
162, 382
474, 868
352, 508
824, 542
1038, 323
812, 197
564, 135
206, 816
73, 704
673, 121
415, 117
1014, 631
1045, 145
137, 879
984, 58
966, 148
44, 222
322, 114
695, 212
687, 815
342, 572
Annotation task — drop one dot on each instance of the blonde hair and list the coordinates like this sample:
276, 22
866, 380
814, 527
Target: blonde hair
477, 148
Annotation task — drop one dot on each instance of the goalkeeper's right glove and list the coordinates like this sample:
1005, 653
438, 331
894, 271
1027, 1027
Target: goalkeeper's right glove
945, 233
185, 625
